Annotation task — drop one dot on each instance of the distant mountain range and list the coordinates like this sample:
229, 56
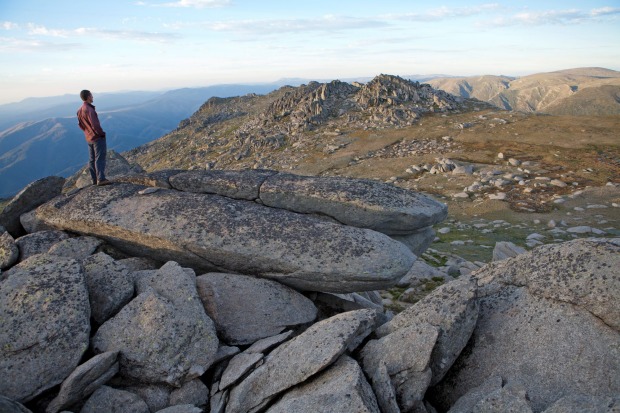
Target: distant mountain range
583, 91
39, 136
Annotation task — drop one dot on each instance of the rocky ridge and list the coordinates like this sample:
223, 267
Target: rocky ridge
238, 130
163, 338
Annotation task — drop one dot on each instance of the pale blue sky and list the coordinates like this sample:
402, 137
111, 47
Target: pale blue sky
56, 47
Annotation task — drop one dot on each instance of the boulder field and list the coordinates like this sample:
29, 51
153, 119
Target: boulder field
251, 291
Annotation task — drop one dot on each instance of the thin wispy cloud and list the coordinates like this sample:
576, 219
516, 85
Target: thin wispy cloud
197, 4
9, 25
605, 11
32, 45
443, 12
140, 36
327, 23
557, 17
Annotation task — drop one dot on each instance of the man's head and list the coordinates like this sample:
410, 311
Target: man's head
86, 95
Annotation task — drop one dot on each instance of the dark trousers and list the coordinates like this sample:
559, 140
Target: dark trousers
96, 161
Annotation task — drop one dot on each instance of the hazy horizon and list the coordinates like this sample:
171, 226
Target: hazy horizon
56, 48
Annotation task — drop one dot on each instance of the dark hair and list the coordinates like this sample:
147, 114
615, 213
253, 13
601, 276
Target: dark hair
84, 94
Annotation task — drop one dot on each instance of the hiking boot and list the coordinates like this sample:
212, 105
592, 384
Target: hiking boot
104, 183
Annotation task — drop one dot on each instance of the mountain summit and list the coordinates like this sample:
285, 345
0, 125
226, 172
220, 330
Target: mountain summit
240, 129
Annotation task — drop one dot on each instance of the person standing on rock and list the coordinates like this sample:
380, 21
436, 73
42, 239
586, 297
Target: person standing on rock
95, 137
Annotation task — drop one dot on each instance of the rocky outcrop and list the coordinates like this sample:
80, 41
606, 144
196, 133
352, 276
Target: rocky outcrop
9, 252
505, 249
33, 195
45, 324
211, 232
453, 310
233, 184
341, 388
167, 315
273, 306
548, 319
580, 403
110, 285
263, 131
385, 360
82, 382
38, 243
356, 202
116, 166
10, 406
298, 359
108, 399
532, 333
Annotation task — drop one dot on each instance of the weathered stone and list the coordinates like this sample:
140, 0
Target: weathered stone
33, 195
384, 389
582, 272
181, 408
409, 375
156, 396
506, 249
243, 184
467, 402
357, 202
499, 196
509, 398
173, 282
418, 241
240, 320
296, 360
216, 233
453, 309
224, 352
116, 167
238, 366
463, 170
557, 182
330, 304
32, 224
193, 392
139, 264
157, 179
77, 248
45, 324
110, 286
9, 252
84, 380
585, 404
217, 404
265, 344
340, 388
581, 229
420, 271
547, 319
107, 399
167, 315
38, 243
9, 406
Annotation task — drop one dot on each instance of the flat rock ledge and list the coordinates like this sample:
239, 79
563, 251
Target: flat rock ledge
215, 233
362, 203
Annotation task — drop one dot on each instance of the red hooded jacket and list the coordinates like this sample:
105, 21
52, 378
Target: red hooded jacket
89, 123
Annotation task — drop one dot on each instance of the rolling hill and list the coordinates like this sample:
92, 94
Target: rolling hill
581, 91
